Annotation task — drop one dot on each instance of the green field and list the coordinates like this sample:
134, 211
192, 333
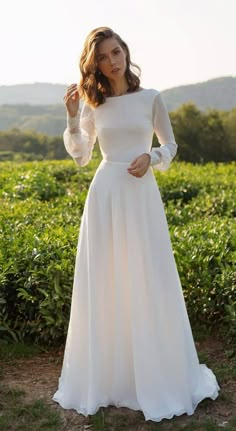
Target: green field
40, 213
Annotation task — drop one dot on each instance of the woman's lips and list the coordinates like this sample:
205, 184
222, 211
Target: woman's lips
116, 69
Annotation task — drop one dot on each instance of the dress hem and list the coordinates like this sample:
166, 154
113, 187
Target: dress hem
146, 415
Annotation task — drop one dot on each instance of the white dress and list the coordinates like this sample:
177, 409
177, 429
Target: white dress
129, 341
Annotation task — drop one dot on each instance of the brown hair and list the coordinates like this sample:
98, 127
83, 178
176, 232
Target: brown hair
94, 86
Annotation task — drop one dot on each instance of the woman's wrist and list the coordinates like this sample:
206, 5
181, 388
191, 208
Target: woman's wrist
149, 156
73, 122
154, 157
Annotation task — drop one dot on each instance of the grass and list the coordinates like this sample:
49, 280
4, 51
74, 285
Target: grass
17, 413
225, 369
119, 423
18, 350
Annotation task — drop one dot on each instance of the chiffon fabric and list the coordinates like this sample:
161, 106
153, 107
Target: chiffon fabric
129, 341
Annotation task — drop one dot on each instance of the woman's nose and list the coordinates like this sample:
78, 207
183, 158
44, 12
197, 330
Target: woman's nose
112, 61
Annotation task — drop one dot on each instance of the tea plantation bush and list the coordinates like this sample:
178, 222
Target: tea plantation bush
41, 208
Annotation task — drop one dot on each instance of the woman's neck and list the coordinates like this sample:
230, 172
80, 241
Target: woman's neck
119, 87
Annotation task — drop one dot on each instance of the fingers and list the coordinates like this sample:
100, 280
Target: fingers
137, 171
138, 167
133, 162
134, 166
74, 85
71, 91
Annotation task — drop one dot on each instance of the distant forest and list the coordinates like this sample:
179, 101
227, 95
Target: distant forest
201, 136
47, 119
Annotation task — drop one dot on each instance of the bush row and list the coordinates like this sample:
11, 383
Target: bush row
40, 213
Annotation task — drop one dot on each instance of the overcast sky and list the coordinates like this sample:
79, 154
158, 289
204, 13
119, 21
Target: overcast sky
175, 42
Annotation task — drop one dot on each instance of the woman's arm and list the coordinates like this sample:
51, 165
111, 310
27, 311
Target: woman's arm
80, 135
161, 157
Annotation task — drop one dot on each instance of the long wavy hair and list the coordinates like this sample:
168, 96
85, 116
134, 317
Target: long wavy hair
94, 87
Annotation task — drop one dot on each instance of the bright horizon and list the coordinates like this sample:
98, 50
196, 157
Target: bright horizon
175, 42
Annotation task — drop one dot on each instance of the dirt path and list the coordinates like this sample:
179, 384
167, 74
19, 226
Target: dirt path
38, 377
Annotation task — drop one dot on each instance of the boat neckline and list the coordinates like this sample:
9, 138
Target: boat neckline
126, 94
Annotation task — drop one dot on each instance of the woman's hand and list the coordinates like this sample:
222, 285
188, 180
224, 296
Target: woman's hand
140, 165
71, 100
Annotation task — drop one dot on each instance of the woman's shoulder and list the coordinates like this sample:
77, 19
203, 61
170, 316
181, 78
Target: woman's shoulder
150, 91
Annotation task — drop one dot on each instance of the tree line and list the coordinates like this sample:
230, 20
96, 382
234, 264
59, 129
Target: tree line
201, 136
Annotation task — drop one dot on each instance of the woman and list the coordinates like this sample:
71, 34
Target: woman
129, 340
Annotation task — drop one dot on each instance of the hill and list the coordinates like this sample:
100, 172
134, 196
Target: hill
49, 119
219, 93
39, 93
39, 106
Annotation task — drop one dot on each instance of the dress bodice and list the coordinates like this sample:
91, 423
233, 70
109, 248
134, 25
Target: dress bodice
124, 126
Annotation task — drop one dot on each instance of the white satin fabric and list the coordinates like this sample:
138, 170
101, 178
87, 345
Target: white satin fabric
80, 134
129, 340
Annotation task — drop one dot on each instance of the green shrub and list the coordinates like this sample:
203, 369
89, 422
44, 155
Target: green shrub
40, 214
205, 255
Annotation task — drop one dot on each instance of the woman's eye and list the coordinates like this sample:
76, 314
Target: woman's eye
102, 57
117, 52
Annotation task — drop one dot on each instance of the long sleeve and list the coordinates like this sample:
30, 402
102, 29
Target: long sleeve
161, 157
80, 135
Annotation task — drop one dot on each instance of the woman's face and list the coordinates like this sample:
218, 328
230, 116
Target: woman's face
111, 59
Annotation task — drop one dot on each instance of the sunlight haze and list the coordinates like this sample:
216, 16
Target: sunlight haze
175, 42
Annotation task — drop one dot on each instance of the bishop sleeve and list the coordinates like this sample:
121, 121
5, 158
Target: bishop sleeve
80, 135
161, 157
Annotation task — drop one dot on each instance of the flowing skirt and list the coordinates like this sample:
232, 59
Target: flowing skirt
129, 341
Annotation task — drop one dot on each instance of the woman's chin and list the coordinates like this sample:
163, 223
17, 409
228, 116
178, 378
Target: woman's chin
117, 75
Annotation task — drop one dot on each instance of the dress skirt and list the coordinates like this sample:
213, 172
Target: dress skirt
129, 341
